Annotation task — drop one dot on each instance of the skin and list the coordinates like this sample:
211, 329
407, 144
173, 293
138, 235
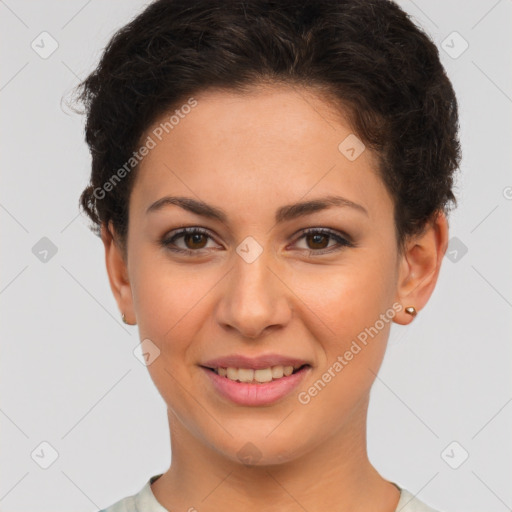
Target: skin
249, 154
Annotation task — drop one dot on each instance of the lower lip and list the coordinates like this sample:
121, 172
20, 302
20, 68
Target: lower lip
245, 393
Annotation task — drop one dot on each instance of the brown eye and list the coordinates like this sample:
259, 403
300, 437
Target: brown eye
194, 240
317, 241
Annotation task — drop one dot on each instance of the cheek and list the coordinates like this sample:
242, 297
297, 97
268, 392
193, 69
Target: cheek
343, 306
351, 337
166, 295
348, 297
166, 298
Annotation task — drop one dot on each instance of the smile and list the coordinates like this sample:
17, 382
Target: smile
263, 386
261, 375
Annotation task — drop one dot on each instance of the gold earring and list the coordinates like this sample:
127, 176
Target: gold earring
411, 310
124, 319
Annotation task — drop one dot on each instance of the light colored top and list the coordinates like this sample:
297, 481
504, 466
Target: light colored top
145, 501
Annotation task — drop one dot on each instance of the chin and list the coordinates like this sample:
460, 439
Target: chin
260, 451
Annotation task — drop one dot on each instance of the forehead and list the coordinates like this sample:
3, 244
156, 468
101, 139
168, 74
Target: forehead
247, 149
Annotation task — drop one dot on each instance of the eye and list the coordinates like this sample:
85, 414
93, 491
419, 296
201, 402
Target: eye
194, 239
319, 239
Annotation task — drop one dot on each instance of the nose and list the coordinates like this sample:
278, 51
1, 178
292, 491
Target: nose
254, 298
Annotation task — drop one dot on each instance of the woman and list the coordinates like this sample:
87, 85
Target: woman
271, 181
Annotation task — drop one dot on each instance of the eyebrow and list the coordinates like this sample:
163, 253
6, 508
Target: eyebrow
283, 214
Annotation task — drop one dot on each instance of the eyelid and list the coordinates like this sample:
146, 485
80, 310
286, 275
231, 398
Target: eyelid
342, 240
179, 232
335, 233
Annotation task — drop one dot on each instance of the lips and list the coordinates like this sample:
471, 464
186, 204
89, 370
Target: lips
254, 363
256, 394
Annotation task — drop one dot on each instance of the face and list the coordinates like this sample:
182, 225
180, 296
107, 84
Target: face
251, 281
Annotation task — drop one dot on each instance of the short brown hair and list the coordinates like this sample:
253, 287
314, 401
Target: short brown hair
367, 54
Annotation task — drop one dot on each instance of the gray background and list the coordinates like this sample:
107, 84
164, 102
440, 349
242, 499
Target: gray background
69, 375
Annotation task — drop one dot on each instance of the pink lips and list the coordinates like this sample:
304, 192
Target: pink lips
247, 393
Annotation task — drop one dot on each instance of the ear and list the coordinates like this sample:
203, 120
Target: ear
118, 272
419, 267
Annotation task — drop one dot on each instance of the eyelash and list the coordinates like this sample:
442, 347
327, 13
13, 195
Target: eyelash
167, 242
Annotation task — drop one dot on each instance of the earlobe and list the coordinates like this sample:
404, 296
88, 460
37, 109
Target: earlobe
419, 268
117, 272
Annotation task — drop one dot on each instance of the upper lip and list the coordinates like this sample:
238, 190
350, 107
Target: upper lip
255, 363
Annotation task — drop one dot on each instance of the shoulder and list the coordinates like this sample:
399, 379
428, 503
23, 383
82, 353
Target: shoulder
142, 501
409, 503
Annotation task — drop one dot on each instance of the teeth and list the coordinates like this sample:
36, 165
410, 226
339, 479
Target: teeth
262, 375
277, 372
245, 375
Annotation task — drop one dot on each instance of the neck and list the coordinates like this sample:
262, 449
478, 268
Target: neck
333, 475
